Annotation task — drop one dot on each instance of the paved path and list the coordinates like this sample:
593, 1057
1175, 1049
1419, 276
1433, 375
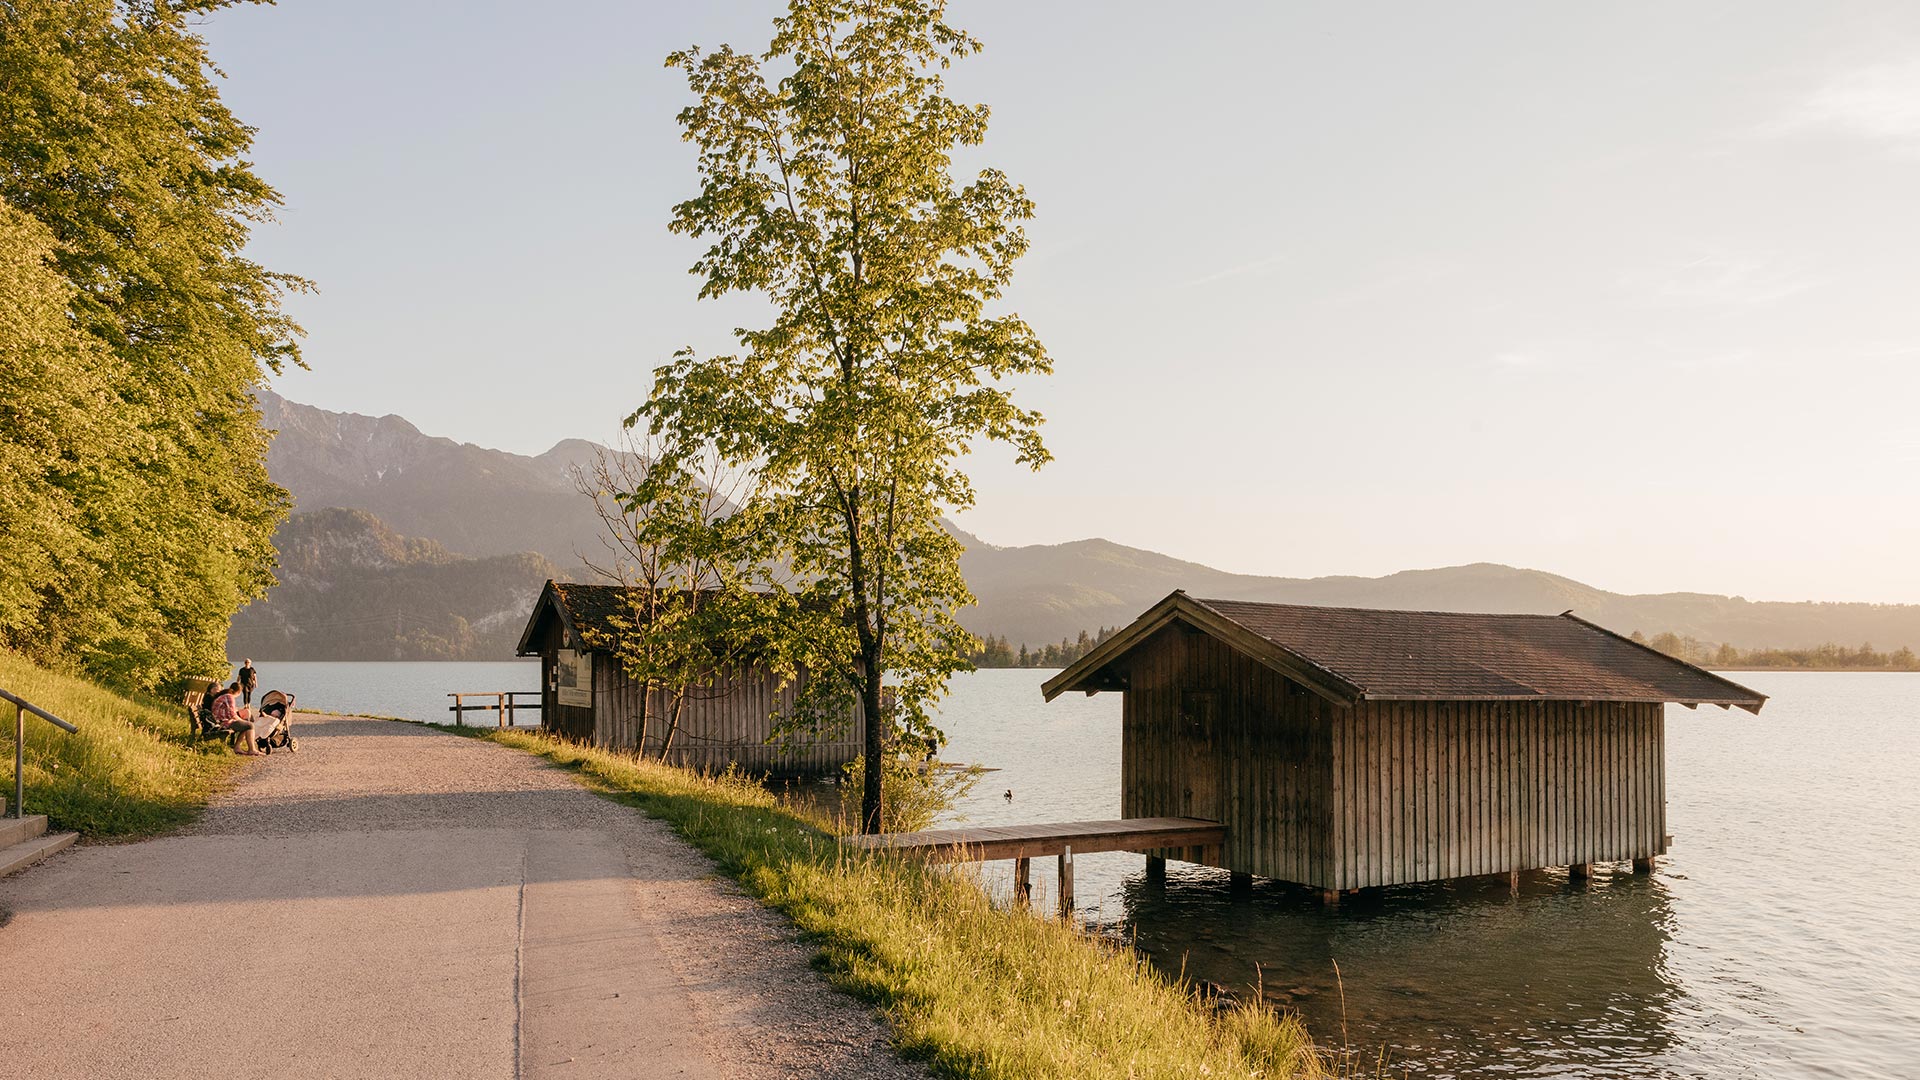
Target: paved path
393, 901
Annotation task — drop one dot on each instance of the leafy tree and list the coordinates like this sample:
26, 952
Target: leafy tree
114, 138
827, 187
58, 455
684, 549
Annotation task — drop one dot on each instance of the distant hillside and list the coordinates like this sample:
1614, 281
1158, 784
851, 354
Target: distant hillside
353, 589
472, 500
1043, 593
479, 502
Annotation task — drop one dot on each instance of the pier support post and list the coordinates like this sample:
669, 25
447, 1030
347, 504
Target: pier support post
1643, 865
1023, 881
1330, 898
1156, 870
1513, 882
1580, 872
1240, 885
1066, 882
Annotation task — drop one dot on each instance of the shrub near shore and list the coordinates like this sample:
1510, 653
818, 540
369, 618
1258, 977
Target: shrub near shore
972, 989
130, 772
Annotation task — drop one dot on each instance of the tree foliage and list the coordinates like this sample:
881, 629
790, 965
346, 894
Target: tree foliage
995, 651
113, 139
827, 188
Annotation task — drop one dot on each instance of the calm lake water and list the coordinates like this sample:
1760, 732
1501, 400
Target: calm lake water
1779, 938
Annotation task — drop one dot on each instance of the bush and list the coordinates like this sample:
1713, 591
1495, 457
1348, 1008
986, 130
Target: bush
914, 794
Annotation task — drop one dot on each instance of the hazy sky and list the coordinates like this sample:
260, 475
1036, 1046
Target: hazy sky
1621, 291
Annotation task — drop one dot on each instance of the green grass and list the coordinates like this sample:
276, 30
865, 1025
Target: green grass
130, 772
972, 989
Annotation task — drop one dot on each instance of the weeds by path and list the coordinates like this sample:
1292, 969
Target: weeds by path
974, 990
131, 772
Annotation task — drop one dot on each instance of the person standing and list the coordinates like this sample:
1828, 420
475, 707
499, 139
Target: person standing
247, 679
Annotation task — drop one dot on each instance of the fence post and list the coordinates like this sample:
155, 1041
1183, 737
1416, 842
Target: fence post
500, 710
19, 761
459, 717
1066, 882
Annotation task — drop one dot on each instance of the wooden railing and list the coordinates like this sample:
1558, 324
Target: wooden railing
503, 705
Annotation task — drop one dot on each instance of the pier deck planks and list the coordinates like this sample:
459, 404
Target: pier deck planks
1052, 838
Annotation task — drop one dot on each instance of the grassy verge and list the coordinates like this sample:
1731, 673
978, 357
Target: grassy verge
130, 772
974, 990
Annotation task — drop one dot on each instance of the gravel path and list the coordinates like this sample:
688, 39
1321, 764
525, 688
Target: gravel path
394, 901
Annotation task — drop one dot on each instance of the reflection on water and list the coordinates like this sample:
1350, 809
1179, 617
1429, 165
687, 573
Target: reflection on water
1460, 979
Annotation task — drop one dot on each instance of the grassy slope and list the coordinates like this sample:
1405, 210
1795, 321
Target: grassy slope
130, 772
974, 990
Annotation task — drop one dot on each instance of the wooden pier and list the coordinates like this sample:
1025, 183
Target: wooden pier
1062, 839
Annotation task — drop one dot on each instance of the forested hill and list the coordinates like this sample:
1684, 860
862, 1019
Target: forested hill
478, 502
352, 589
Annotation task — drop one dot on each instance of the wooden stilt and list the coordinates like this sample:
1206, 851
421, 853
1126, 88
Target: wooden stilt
1241, 884
1643, 865
1156, 870
1513, 882
1066, 882
1580, 871
1023, 882
1330, 898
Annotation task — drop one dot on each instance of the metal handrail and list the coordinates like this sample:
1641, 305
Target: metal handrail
20, 710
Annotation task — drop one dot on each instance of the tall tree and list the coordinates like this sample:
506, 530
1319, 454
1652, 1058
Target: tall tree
827, 187
113, 136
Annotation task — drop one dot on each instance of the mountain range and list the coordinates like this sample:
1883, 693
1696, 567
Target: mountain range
466, 534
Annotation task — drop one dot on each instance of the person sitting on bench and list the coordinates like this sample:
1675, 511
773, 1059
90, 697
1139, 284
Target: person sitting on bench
235, 720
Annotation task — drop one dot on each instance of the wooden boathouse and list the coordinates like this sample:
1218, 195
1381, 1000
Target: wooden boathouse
1346, 748
587, 695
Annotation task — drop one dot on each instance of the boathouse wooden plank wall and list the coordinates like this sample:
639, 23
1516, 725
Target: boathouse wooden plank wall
728, 722
1382, 792
1426, 791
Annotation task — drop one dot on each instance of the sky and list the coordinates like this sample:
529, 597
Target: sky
1625, 292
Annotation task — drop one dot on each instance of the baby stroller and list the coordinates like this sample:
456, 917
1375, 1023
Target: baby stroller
273, 724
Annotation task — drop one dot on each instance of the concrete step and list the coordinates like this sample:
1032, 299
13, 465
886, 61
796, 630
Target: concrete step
13, 831
28, 852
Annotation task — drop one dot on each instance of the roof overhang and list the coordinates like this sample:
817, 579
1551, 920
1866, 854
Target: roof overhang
549, 598
1087, 673
1746, 698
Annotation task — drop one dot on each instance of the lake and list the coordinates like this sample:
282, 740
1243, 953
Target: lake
1779, 938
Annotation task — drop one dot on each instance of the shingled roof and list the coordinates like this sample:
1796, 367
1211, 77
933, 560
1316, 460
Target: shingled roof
589, 612
1360, 654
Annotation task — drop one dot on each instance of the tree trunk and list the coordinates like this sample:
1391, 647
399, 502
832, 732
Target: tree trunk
673, 725
870, 797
